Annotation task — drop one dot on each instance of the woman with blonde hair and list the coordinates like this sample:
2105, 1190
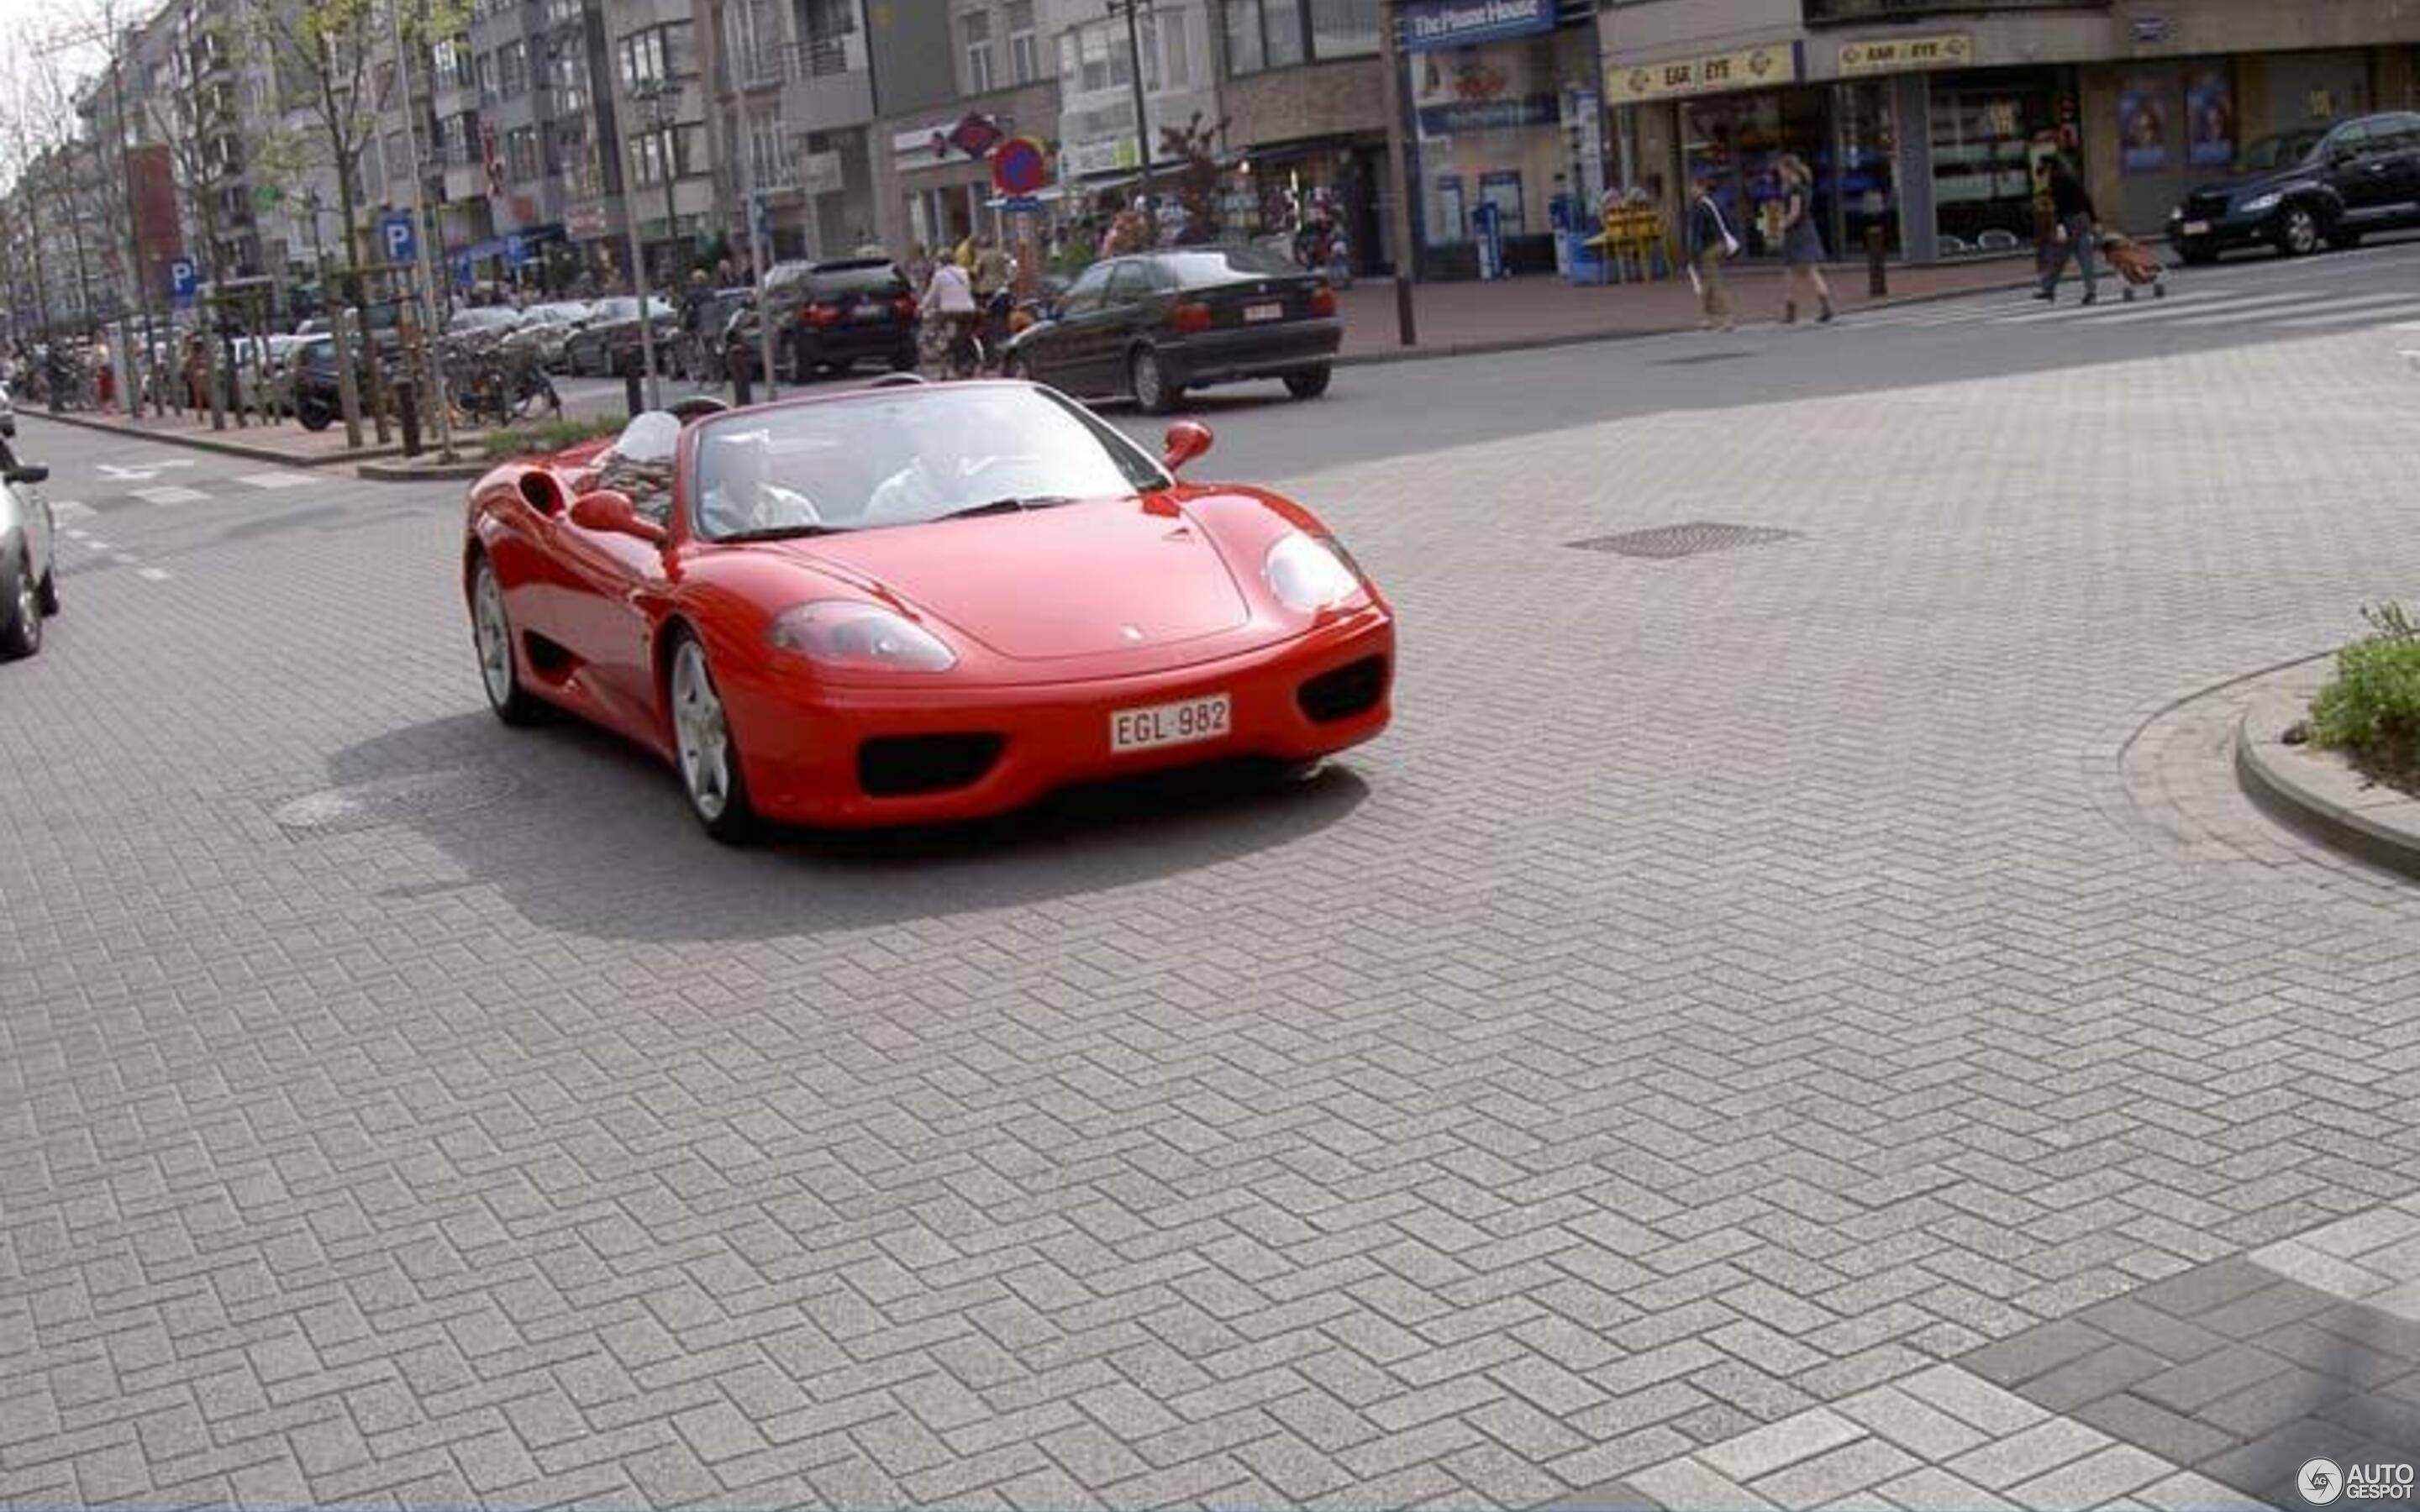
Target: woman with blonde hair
1801, 245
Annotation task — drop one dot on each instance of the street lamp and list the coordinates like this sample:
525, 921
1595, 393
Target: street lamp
652, 93
428, 244
1132, 10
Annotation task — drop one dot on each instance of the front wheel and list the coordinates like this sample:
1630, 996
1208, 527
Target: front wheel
708, 761
1152, 389
2298, 231
491, 631
314, 416
1309, 385
46, 593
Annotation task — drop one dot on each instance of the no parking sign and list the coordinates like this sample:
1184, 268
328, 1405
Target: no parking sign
1020, 165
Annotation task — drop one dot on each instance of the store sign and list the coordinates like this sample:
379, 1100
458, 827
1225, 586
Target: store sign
1906, 54
1488, 114
586, 221
1752, 68
1433, 23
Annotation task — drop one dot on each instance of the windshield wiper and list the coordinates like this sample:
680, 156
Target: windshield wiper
1010, 505
777, 532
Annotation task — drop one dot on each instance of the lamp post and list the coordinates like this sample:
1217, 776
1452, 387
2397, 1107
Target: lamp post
428, 244
652, 94
1132, 10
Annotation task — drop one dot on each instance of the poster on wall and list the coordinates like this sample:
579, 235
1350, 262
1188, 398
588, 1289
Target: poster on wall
2141, 129
2209, 119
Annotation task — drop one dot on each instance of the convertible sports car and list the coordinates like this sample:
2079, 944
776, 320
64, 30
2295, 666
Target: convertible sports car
914, 603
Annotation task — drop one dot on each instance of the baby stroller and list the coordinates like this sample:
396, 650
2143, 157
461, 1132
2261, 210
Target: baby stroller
2136, 264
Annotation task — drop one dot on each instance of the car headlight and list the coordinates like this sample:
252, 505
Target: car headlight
850, 635
2259, 203
1311, 573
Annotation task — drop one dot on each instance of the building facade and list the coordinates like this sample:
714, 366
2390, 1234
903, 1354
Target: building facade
1928, 124
935, 64
1303, 91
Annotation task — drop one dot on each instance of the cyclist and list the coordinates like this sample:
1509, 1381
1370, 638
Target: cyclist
949, 304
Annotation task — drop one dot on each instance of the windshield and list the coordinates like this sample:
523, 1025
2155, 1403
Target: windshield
2282, 151
1225, 265
906, 457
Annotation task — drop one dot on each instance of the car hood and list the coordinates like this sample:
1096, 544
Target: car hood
1070, 580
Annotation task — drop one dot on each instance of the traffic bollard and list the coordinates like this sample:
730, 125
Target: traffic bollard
1403, 326
1877, 280
632, 399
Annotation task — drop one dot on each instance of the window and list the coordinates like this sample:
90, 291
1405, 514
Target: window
1282, 25
765, 149
1180, 62
1245, 54
978, 35
1088, 290
1343, 28
520, 154
657, 54
512, 68
1024, 50
486, 76
1147, 39
1071, 61
399, 160
831, 18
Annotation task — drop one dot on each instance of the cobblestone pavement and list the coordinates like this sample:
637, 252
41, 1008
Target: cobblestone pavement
1777, 1020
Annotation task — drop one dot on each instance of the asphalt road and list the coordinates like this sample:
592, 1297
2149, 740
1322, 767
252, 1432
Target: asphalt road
1810, 1022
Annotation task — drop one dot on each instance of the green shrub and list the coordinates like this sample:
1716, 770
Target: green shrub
2372, 707
548, 436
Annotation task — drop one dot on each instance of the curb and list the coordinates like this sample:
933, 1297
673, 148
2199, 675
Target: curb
213, 444
416, 472
1491, 349
2319, 794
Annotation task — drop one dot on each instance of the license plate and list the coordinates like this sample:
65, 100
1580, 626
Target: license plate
1264, 312
2195, 228
869, 310
1168, 724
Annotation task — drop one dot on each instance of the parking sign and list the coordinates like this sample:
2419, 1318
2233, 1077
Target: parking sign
182, 280
402, 241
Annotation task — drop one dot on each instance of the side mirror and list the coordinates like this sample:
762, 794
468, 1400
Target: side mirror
29, 474
610, 512
1186, 440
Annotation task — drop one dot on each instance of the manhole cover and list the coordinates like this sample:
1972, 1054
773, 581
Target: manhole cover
390, 800
1694, 538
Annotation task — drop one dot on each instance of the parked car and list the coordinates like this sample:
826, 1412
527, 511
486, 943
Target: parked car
549, 327
2301, 188
29, 587
608, 345
832, 316
484, 321
312, 380
1156, 324
8, 414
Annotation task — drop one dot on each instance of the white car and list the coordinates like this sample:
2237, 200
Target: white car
29, 589
8, 414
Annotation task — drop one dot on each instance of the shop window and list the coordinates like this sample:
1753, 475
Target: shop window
1987, 137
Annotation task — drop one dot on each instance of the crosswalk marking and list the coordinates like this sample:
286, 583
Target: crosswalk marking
152, 574
2328, 303
170, 495
2400, 307
277, 480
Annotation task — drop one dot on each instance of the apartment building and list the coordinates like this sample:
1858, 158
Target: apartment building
935, 64
794, 103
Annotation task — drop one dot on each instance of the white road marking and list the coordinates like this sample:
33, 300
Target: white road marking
170, 495
69, 509
2077, 310
2328, 306
277, 480
140, 474
2402, 306
96, 542
2234, 310
151, 575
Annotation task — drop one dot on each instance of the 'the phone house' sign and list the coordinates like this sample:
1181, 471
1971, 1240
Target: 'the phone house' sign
1433, 23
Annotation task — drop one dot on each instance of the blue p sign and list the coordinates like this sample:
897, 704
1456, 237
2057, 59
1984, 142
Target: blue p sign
402, 246
182, 279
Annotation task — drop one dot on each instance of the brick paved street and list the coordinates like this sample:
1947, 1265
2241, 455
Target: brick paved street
1807, 1025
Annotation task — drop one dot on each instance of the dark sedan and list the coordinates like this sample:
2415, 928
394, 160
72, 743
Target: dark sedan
608, 345
1155, 325
2307, 186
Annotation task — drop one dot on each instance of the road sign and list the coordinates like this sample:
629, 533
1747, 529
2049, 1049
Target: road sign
1019, 166
182, 279
402, 241
1020, 204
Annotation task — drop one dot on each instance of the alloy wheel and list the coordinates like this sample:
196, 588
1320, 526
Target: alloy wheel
701, 733
495, 637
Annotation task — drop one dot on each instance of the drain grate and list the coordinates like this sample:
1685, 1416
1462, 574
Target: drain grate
393, 800
1694, 538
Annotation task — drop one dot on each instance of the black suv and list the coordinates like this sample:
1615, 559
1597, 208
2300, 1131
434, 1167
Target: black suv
833, 315
2303, 188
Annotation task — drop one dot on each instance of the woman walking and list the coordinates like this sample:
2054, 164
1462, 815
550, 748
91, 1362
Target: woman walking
1801, 245
1709, 242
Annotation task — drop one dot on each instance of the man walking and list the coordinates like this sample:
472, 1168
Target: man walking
2074, 229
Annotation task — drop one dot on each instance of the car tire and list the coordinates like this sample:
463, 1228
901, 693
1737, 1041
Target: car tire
2298, 231
491, 635
46, 593
314, 416
2343, 240
20, 614
704, 754
1148, 375
1309, 385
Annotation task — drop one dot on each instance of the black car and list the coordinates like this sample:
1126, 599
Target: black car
316, 394
607, 346
835, 315
2303, 188
1158, 323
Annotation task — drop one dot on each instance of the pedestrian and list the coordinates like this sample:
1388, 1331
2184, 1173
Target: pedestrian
949, 314
919, 267
1801, 243
1710, 244
2075, 230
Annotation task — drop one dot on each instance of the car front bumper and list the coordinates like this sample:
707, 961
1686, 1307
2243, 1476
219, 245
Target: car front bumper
2218, 233
801, 759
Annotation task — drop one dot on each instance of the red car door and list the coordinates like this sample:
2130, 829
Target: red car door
612, 585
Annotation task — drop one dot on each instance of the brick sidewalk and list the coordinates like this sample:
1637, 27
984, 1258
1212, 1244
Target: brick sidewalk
284, 441
1538, 310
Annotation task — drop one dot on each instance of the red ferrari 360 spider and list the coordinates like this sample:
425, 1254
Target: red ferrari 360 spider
914, 603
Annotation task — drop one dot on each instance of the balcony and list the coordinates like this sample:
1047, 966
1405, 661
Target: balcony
827, 84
